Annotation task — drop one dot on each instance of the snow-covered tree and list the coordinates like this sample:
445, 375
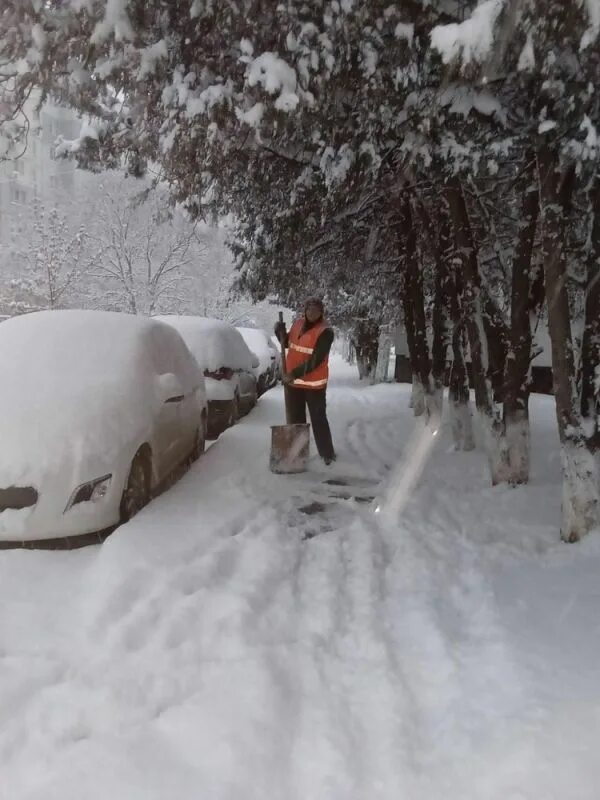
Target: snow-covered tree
48, 258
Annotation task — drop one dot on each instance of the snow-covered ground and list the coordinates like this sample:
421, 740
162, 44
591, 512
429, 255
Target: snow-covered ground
227, 644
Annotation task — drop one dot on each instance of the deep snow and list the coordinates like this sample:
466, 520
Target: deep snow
209, 649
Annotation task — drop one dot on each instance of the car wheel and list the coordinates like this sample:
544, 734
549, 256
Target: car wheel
137, 492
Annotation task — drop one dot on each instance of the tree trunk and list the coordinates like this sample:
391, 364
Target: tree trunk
471, 307
416, 403
451, 286
590, 348
580, 489
516, 379
497, 336
459, 395
414, 314
441, 247
366, 338
439, 344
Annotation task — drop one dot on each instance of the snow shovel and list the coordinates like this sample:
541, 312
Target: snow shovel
289, 442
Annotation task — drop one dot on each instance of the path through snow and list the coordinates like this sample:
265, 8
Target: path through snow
227, 644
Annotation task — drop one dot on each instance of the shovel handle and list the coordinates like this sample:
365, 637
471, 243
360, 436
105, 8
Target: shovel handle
286, 394
282, 343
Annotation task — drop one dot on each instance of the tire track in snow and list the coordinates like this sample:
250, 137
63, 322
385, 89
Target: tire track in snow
328, 737
356, 439
314, 590
445, 639
340, 595
384, 703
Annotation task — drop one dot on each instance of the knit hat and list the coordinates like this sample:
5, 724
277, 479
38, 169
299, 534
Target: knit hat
314, 301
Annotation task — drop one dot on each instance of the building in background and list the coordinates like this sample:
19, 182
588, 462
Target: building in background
37, 174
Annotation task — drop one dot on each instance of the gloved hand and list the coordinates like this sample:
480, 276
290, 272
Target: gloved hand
280, 330
287, 378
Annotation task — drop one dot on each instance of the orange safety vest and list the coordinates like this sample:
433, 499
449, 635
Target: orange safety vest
301, 347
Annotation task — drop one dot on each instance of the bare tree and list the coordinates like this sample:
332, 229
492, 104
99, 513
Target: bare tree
143, 253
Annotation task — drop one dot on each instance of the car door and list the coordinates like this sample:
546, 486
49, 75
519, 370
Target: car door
190, 402
167, 429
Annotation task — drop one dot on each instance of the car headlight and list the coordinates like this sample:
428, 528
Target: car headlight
90, 492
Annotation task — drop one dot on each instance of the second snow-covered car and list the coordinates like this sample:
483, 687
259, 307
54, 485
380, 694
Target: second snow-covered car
97, 409
261, 345
228, 366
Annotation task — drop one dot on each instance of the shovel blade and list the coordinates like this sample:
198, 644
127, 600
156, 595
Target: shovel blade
289, 448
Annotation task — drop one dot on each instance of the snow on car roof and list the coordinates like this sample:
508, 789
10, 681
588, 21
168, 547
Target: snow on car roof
213, 343
86, 340
258, 341
255, 337
72, 379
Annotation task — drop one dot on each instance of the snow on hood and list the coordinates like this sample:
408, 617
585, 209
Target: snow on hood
75, 384
212, 342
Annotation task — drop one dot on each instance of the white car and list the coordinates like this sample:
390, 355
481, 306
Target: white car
228, 366
260, 343
97, 409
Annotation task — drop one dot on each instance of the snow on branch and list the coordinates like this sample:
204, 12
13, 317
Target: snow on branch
275, 76
471, 40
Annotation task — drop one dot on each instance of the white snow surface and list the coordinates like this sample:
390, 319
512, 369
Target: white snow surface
405, 31
209, 649
471, 40
72, 382
116, 23
149, 58
220, 390
259, 343
275, 76
593, 11
212, 342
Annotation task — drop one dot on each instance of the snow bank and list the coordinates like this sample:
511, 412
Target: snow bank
213, 649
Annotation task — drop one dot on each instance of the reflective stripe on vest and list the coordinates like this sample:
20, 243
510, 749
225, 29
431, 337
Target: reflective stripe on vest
310, 384
301, 347
308, 350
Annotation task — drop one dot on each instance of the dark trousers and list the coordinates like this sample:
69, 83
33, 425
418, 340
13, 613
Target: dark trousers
316, 401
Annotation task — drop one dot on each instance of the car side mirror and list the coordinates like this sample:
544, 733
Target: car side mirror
170, 388
255, 362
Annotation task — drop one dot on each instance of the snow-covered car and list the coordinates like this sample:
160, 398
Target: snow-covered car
261, 345
97, 410
227, 364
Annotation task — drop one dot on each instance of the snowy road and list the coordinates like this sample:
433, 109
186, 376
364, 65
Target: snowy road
259, 636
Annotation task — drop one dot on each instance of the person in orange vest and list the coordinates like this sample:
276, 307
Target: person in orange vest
306, 372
